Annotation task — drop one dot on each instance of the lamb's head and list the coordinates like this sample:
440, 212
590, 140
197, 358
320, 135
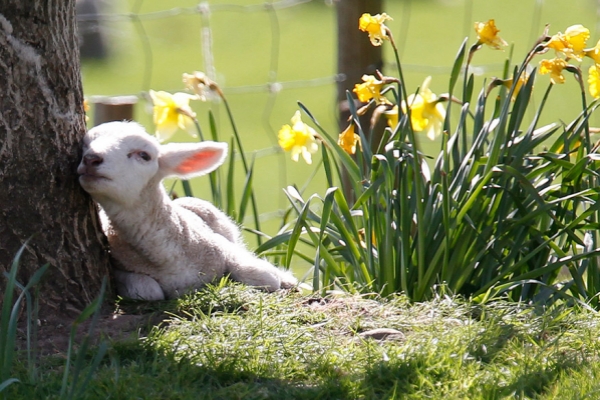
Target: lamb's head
122, 163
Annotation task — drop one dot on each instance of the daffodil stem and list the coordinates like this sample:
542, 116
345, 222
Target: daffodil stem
244, 163
472, 51
214, 188
586, 126
403, 94
418, 175
199, 129
421, 227
187, 188
591, 177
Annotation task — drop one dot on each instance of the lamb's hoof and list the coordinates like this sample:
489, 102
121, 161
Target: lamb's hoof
287, 281
137, 286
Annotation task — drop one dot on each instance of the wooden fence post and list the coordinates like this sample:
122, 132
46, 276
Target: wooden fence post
356, 57
119, 108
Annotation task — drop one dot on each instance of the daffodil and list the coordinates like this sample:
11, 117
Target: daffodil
374, 26
520, 82
487, 33
298, 138
172, 111
370, 89
594, 81
392, 117
593, 53
571, 43
554, 67
427, 114
349, 139
200, 84
363, 238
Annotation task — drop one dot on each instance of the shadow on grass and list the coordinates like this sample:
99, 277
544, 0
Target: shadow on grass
144, 371
417, 377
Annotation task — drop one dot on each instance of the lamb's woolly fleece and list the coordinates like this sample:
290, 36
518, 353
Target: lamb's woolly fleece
164, 248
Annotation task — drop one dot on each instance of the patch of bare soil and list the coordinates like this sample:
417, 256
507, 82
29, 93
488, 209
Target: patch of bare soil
52, 334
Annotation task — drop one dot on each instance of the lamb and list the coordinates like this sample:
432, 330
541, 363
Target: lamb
163, 248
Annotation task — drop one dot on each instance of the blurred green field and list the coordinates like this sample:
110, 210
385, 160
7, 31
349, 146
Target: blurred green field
251, 48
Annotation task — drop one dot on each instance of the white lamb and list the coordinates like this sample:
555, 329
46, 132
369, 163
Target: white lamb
164, 248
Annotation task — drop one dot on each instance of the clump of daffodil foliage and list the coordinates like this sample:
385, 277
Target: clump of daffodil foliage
506, 206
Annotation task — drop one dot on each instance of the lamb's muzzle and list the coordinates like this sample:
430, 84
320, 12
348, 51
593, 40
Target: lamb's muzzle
164, 248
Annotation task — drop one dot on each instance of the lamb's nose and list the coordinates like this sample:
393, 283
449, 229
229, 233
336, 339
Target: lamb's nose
92, 160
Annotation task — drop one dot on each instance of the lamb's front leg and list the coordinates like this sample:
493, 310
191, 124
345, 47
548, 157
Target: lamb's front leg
137, 286
132, 271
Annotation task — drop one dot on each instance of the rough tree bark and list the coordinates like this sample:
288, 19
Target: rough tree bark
41, 124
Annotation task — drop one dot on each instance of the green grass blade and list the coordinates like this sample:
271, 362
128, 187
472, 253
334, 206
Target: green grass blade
6, 318
7, 383
93, 309
98, 357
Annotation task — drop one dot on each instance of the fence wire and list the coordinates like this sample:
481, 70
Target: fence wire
205, 12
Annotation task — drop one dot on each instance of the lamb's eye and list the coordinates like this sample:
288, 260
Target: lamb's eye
144, 156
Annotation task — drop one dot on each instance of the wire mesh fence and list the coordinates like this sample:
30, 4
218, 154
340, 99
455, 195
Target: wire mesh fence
267, 55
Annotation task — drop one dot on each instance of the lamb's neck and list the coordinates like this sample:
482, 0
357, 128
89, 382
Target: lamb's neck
142, 218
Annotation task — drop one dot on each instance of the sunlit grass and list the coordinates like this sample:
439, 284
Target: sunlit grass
230, 341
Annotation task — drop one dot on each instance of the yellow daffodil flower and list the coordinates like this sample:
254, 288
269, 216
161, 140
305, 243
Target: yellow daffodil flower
172, 111
594, 81
426, 113
392, 117
593, 53
298, 138
487, 33
363, 239
509, 82
348, 140
373, 25
370, 89
571, 43
554, 67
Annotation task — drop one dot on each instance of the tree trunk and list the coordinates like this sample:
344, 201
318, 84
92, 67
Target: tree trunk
41, 125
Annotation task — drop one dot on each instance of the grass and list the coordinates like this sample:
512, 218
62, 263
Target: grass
229, 341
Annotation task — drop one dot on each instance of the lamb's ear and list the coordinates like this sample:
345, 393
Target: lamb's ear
186, 160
